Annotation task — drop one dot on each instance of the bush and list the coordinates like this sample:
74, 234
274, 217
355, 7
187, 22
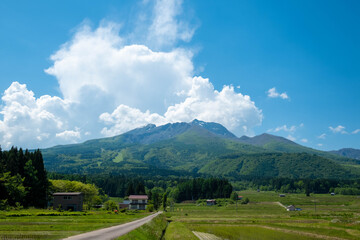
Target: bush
245, 201
111, 205
150, 208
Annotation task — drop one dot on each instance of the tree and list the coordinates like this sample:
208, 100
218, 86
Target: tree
164, 200
12, 189
234, 196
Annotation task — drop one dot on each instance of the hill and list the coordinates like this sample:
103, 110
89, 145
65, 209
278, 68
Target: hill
348, 152
279, 144
191, 148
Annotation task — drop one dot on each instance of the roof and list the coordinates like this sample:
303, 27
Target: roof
138, 197
67, 193
211, 200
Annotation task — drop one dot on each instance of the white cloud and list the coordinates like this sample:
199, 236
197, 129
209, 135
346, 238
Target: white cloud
109, 85
356, 131
272, 93
285, 128
29, 121
322, 136
234, 110
304, 140
134, 75
69, 135
166, 28
338, 129
320, 144
125, 118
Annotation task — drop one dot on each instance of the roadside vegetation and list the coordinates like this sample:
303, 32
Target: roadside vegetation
153, 230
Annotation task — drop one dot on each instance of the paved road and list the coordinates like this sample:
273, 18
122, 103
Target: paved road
115, 231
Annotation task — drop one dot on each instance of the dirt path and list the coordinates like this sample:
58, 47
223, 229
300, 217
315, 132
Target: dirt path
206, 236
280, 204
115, 231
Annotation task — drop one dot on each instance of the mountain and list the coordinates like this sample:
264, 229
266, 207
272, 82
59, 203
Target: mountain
195, 148
348, 152
279, 144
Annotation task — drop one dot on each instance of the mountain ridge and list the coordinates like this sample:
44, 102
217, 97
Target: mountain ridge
188, 147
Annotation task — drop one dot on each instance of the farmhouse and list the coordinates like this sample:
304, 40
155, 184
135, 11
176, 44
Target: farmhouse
69, 200
291, 208
210, 202
138, 202
281, 195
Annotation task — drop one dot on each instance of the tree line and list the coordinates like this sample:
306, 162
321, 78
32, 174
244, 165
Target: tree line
23, 178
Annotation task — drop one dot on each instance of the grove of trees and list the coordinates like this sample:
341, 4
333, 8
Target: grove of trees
23, 179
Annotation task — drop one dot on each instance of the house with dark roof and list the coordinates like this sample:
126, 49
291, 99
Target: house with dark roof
138, 202
68, 201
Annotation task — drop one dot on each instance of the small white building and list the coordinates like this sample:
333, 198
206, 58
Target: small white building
210, 202
138, 202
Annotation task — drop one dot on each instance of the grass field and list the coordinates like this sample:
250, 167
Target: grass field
49, 224
322, 217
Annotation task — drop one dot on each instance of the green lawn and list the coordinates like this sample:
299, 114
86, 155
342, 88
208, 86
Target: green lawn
40, 224
334, 216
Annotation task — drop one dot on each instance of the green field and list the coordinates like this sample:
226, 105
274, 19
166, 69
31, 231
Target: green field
322, 217
49, 224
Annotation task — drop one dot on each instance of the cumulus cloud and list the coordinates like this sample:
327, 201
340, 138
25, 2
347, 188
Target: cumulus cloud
338, 129
109, 85
69, 135
234, 110
124, 118
272, 93
132, 75
29, 121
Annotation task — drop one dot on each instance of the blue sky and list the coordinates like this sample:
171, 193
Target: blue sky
99, 68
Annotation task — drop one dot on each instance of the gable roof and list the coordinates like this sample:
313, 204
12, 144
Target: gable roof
67, 193
138, 197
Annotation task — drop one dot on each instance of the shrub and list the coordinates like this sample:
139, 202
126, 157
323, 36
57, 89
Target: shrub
111, 205
150, 208
245, 201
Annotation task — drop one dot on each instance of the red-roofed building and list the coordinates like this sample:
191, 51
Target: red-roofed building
138, 202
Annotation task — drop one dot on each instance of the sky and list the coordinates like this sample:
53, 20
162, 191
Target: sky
77, 70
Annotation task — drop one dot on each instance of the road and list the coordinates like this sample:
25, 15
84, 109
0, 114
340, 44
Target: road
115, 231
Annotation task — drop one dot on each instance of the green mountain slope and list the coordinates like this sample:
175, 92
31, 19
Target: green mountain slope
289, 165
196, 148
279, 144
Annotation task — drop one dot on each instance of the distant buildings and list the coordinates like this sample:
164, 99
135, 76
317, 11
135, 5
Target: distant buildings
281, 195
68, 201
138, 202
291, 208
210, 202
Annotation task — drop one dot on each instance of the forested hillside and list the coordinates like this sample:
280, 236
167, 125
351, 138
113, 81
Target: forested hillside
195, 148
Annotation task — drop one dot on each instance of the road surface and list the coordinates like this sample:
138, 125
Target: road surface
115, 231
